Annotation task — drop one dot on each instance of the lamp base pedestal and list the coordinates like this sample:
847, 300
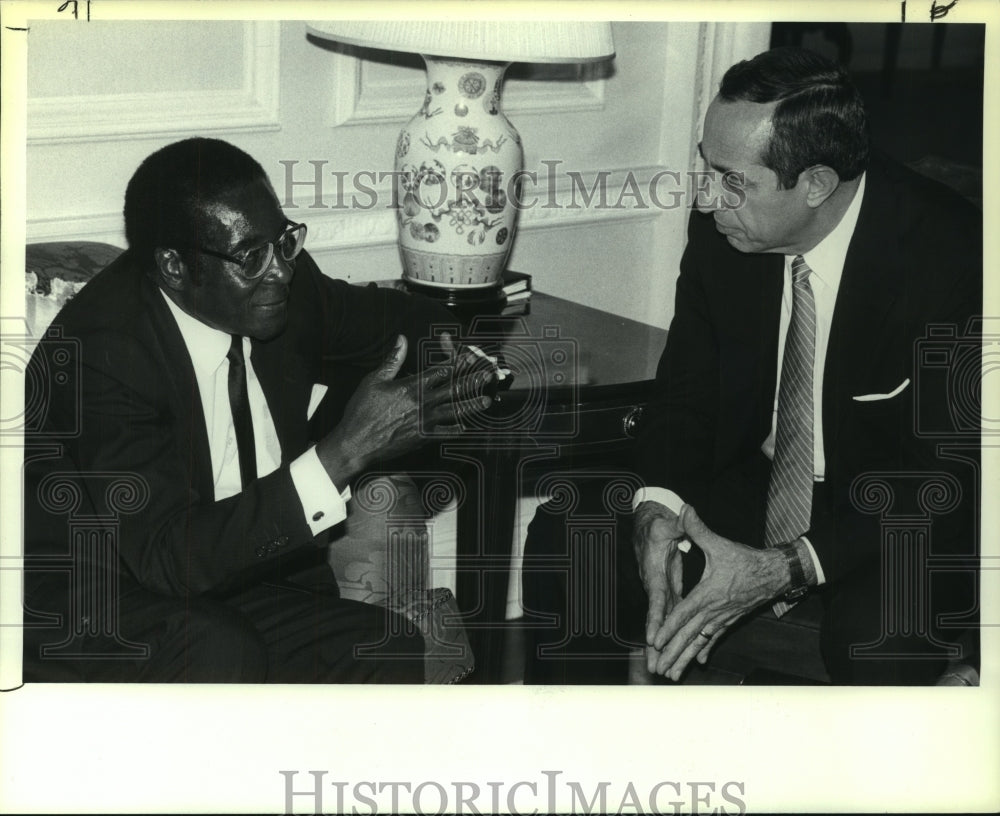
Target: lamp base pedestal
484, 299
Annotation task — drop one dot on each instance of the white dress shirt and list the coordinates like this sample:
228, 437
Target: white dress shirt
826, 260
323, 505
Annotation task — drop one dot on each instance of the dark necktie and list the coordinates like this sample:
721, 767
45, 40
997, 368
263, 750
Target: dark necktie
789, 495
239, 403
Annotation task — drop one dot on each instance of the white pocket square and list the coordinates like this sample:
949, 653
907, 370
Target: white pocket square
874, 397
318, 392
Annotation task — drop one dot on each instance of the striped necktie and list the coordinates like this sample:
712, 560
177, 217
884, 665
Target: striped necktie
239, 403
789, 495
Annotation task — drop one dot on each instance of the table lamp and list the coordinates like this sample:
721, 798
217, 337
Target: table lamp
458, 160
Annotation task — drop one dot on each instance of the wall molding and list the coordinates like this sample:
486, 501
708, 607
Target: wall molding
106, 228
100, 117
358, 101
332, 229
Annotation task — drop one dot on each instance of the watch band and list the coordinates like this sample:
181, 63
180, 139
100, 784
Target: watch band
799, 587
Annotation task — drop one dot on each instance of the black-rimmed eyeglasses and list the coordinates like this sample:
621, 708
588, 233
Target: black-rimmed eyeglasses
255, 262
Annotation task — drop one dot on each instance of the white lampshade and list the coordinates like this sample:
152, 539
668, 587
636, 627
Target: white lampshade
500, 41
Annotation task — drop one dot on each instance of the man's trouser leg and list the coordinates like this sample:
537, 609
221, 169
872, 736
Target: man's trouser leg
285, 633
583, 578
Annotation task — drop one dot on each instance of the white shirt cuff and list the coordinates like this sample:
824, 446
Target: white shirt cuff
668, 499
820, 576
660, 495
323, 504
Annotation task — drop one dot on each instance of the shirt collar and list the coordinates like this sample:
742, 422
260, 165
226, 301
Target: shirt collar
826, 259
208, 347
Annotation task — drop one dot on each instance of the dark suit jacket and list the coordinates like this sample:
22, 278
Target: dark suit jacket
138, 411
915, 260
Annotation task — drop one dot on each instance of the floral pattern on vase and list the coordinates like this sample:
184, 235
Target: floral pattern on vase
472, 212
472, 85
491, 103
403, 145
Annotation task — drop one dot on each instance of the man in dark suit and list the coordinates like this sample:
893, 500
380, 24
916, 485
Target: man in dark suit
789, 401
199, 353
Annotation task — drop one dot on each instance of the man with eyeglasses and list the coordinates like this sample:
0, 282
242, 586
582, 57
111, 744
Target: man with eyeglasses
201, 352
795, 426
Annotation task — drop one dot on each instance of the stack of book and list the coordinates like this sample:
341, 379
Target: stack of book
516, 287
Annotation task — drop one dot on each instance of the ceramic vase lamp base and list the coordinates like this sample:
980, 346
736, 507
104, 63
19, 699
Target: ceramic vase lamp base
457, 165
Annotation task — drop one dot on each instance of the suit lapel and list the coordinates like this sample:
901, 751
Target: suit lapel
750, 286
179, 372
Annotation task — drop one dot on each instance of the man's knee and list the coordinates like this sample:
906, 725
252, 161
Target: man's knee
546, 534
580, 581
152, 639
209, 643
863, 641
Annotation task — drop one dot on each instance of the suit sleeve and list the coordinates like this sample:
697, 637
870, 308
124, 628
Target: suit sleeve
357, 325
675, 449
350, 331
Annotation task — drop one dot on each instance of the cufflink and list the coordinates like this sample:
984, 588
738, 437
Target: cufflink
317, 516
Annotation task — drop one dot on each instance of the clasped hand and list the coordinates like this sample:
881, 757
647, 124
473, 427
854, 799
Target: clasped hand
736, 580
387, 417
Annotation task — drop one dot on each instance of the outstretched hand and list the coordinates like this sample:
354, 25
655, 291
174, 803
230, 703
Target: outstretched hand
736, 580
387, 417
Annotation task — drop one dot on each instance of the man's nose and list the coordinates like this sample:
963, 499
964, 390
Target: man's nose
279, 269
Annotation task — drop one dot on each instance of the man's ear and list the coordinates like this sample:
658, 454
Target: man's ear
171, 271
821, 182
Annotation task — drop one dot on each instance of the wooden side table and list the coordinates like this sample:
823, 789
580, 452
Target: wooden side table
583, 377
